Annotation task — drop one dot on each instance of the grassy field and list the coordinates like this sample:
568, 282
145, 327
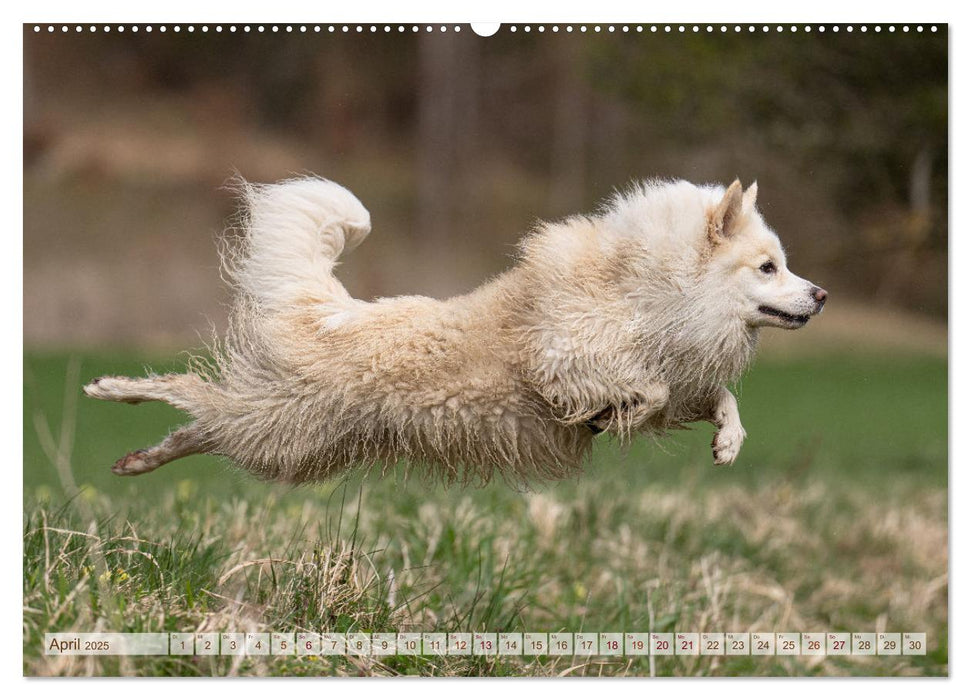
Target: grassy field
834, 518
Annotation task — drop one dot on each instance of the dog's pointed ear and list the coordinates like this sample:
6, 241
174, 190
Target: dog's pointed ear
724, 218
748, 199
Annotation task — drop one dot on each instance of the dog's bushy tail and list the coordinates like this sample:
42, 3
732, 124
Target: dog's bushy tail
292, 234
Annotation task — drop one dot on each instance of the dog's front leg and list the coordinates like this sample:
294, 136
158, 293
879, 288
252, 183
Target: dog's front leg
727, 442
631, 413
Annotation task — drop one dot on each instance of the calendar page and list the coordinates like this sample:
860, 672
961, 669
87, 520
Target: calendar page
547, 349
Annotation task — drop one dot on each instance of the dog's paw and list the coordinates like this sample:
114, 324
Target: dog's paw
113, 389
94, 388
601, 422
623, 419
727, 443
134, 463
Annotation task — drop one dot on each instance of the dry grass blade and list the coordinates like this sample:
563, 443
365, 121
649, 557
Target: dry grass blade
255, 562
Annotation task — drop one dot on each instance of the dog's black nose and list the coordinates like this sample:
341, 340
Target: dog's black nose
819, 294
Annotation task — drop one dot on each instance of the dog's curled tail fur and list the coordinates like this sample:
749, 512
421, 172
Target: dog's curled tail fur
293, 233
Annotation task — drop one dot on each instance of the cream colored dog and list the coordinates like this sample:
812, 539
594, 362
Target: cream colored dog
631, 320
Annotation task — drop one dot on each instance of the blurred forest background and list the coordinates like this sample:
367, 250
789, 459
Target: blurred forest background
458, 144
835, 516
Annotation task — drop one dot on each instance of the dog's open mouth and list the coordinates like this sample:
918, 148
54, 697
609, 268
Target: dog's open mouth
789, 319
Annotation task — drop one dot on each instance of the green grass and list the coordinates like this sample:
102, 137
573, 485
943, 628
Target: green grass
834, 518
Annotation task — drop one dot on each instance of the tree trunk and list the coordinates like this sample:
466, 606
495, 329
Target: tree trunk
569, 139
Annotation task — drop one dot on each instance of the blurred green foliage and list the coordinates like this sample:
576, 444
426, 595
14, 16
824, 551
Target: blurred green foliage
852, 108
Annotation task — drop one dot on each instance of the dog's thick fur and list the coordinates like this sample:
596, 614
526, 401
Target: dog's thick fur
631, 320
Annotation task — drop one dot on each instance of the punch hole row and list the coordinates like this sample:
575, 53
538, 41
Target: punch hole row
254, 28
415, 28
718, 28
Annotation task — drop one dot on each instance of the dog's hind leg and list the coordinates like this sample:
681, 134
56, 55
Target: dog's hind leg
179, 390
183, 442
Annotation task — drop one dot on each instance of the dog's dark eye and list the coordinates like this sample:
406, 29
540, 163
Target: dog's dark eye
768, 267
